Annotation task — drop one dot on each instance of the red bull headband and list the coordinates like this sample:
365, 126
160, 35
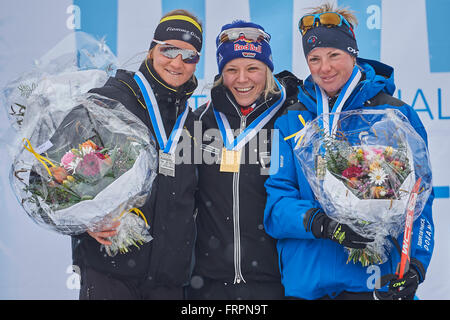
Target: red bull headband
241, 39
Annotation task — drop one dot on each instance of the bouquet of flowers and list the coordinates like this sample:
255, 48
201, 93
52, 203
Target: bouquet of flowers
362, 173
86, 168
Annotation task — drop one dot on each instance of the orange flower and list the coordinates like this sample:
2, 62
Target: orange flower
59, 174
397, 164
89, 143
378, 192
353, 182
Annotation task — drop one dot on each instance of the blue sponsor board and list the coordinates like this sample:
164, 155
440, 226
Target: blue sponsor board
98, 18
438, 35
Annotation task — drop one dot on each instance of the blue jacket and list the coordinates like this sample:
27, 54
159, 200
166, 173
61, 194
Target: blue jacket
311, 267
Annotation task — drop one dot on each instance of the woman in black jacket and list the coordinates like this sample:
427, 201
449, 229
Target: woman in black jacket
235, 258
162, 85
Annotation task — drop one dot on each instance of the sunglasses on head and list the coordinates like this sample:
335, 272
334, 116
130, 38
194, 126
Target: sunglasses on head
332, 19
252, 34
170, 51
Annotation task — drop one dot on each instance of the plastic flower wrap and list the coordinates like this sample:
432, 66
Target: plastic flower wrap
363, 171
85, 168
64, 73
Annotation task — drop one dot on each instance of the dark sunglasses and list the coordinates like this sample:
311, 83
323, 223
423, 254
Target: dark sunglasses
171, 52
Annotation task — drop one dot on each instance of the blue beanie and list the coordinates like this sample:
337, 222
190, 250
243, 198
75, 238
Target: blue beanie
229, 50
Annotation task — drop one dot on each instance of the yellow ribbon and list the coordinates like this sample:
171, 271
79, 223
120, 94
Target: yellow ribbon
137, 212
40, 158
294, 134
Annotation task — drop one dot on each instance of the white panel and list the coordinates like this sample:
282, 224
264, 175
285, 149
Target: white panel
26, 32
218, 13
137, 21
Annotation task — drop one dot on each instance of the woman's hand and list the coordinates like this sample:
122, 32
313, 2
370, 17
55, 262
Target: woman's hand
101, 236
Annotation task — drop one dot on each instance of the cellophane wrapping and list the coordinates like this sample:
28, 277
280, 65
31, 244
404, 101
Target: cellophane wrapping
363, 171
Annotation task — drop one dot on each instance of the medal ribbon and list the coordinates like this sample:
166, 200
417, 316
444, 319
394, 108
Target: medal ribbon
322, 102
167, 145
248, 133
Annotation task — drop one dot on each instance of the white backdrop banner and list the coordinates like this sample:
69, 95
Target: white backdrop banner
410, 35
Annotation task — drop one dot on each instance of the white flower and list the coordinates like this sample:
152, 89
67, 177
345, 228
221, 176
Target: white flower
86, 150
73, 165
377, 176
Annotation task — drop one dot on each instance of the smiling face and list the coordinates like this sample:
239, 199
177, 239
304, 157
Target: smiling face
173, 71
330, 68
246, 79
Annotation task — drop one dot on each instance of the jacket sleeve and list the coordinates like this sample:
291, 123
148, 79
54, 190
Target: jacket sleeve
286, 205
422, 242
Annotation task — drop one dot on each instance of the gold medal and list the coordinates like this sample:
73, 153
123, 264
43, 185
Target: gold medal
230, 161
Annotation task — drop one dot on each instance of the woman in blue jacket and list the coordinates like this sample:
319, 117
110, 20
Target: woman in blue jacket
311, 253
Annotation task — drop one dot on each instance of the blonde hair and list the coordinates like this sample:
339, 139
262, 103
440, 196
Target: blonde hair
348, 14
270, 87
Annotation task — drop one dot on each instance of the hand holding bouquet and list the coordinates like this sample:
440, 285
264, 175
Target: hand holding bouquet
362, 173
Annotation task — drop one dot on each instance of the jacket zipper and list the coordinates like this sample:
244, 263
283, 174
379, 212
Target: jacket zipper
238, 277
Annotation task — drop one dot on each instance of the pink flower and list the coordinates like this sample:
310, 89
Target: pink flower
67, 159
377, 151
352, 172
90, 165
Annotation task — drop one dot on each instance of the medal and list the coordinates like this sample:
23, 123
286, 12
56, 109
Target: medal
167, 146
166, 163
230, 160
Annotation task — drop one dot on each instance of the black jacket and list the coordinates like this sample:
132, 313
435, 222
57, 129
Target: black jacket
232, 245
165, 260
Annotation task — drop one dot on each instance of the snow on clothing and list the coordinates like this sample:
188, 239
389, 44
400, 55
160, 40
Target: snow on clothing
166, 260
312, 268
232, 246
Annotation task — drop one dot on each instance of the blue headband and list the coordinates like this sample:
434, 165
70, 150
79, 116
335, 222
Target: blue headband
330, 37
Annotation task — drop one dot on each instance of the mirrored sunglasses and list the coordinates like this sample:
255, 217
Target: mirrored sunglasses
325, 18
170, 51
252, 34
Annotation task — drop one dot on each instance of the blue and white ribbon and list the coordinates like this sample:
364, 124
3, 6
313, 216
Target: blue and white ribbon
167, 145
323, 106
252, 130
